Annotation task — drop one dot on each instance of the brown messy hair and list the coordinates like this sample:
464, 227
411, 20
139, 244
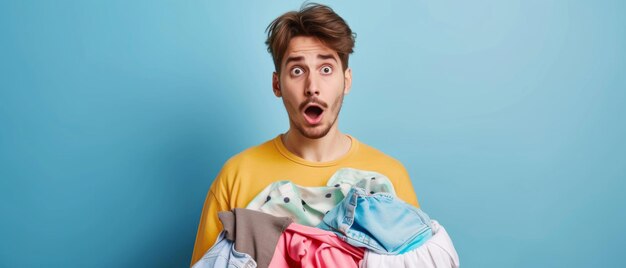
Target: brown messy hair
313, 20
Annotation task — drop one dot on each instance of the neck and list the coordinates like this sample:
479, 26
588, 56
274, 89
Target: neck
328, 148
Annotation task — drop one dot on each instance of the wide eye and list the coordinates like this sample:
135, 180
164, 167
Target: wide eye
297, 71
327, 70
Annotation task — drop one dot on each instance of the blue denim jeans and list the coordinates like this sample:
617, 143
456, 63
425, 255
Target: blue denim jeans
380, 222
223, 254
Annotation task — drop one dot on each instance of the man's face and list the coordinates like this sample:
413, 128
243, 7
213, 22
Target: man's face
312, 85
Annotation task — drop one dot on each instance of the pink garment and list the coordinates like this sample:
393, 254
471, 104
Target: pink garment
308, 247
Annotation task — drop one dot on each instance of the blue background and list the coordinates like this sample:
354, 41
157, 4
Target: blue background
115, 116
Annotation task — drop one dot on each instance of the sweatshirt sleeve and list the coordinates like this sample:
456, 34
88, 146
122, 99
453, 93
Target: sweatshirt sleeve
210, 226
404, 187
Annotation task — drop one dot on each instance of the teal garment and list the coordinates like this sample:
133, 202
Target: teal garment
308, 205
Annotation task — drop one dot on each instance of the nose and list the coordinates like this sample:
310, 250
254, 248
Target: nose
311, 87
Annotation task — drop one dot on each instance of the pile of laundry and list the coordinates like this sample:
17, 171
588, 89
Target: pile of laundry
356, 220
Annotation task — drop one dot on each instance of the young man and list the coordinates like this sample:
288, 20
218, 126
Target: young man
310, 49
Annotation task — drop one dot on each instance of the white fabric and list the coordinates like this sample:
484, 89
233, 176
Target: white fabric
437, 252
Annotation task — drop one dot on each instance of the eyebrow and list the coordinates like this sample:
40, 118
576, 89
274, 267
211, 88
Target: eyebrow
326, 57
290, 59
301, 58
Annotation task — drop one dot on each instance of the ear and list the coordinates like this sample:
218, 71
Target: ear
276, 85
347, 81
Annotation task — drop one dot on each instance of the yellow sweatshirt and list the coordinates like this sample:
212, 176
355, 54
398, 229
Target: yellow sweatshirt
244, 176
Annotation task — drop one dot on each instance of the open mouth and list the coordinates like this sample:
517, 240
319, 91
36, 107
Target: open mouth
313, 114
